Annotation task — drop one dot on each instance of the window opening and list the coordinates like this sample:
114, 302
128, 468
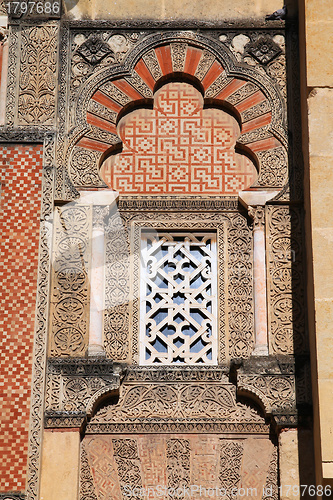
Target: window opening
178, 294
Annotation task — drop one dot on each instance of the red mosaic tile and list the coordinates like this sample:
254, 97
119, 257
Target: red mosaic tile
20, 200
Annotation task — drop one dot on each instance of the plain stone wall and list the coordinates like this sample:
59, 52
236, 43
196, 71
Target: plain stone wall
316, 28
60, 465
171, 9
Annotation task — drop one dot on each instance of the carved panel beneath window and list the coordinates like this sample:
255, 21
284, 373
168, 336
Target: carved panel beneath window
70, 296
286, 281
177, 399
176, 466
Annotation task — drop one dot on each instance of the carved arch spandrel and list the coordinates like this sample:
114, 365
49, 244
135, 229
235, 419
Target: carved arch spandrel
251, 95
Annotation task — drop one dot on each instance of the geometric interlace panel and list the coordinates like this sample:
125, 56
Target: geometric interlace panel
178, 298
178, 147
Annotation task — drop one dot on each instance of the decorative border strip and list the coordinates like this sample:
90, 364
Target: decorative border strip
42, 314
181, 427
188, 204
122, 24
12, 495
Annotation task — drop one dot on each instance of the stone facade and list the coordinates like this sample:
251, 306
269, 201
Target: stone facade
159, 152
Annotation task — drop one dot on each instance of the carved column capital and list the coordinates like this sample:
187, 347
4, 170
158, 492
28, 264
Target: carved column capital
258, 216
99, 215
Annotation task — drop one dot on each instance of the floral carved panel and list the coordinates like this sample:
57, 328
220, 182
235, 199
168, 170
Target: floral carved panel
38, 75
287, 334
70, 286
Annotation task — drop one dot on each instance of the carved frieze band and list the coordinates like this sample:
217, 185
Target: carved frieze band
168, 405
12, 496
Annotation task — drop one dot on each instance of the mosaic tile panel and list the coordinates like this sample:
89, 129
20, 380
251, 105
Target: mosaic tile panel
20, 200
178, 147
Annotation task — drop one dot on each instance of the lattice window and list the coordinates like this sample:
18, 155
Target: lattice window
178, 298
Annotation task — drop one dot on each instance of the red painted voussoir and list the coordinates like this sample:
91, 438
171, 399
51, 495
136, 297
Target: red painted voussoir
145, 74
234, 85
106, 101
254, 99
263, 145
163, 55
91, 144
257, 122
192, 59
101, 123
127, 89
215, 70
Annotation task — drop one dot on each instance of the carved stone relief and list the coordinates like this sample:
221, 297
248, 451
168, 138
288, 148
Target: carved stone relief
265, 51
287, 333
70, 288
176, 466
74, 385
38, 75
93, 50
165, 404
240, 285
272, 382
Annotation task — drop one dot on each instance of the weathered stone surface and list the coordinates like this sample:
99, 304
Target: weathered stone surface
60, 465
173, 9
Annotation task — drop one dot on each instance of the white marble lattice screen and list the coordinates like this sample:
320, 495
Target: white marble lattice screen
178, 298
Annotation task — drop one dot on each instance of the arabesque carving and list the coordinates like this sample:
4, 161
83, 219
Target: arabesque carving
70, 287
231, 454
76, 385
286, 283
272, 382
170, 405
38, 75
148, 60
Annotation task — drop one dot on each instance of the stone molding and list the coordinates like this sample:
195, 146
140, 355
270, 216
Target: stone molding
165, 399
271, 381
